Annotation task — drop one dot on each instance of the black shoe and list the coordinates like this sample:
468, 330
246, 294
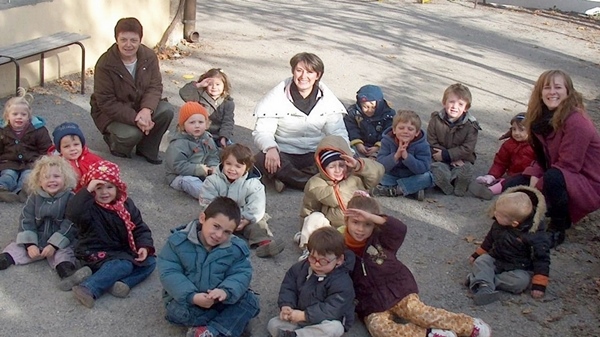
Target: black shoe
485, 295
153, 161
118, 154
384, 191
557, 237
6, 261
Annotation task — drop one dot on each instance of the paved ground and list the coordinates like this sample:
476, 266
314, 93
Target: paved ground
414, 52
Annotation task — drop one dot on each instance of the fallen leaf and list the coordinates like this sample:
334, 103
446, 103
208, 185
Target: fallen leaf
469, 238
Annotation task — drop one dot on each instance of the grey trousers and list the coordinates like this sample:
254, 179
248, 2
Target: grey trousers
122, 138
483, 272
324, 329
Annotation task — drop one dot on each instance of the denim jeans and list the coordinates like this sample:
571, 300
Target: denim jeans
13, 180
411, 184
483, 272
224, 319
188, 184
118, 270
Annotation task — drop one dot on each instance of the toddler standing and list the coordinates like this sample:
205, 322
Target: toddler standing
513, 157
44, 232
452, 133
385, 288
113, 239
367, 120
192, 154
212, 91
23, 139
69, 143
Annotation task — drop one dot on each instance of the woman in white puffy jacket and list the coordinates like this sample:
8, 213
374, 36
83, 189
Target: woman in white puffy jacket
291, 120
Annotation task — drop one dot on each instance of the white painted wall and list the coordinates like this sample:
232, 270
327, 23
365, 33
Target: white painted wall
96, 18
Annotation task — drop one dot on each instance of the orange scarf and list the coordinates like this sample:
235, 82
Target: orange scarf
355, 246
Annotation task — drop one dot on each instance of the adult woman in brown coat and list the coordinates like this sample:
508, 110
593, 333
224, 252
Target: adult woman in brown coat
126, 103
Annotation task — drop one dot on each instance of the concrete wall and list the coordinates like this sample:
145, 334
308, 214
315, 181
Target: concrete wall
579, 6
96, 18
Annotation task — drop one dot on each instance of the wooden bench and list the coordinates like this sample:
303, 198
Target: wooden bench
40, 46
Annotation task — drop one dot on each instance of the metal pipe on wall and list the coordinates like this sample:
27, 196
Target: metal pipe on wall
189, 21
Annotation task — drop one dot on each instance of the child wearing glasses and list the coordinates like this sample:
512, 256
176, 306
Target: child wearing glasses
316, 296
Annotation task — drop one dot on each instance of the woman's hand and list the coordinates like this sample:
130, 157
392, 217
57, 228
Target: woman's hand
143, 120
272, 160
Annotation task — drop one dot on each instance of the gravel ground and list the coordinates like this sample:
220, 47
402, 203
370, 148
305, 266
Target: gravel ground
413, 52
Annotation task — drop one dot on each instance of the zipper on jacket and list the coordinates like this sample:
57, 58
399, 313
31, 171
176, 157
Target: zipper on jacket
362, 264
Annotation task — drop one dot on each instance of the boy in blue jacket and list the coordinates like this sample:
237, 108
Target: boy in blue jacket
406, 156
205, 272
316, 297
367, 119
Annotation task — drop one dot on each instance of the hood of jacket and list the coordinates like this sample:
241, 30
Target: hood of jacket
368, 93
464, 119
331, 142
36, 121
187, 136
534, 221
252, 173
192, 233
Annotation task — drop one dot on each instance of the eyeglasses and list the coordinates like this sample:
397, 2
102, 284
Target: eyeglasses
322, 261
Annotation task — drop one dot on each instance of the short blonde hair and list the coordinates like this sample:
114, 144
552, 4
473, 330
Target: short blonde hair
460, 90
516, 205
406, 116
43, 164
22, 99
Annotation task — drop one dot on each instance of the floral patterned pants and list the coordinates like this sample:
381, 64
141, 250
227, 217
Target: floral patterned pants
420, 317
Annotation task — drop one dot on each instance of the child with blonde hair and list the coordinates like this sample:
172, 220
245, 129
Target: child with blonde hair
513, 157
44, 231
406, 156
386, 290
23, 139
516, 251
212, 91
192, 154
452, 133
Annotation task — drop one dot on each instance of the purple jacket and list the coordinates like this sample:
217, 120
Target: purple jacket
574, 149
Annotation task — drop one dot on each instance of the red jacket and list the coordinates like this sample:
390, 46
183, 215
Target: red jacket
512, 158
574, 149
80, 165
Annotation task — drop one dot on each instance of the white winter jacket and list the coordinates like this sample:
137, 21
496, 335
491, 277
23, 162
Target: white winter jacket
280, 124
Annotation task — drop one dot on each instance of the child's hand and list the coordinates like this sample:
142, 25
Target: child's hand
471, 260
372, 151
362, 149
243, 223
204, 83
286, 313
34, 252
364, 216
297, 316
533, 181
351, 162
48, 251
202, 300
91, 187
223, 141
437, 155
457, 163
487, 179
401, 152
142, 254
217, 295
537, 294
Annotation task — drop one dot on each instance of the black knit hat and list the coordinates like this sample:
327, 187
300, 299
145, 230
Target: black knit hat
329, 156
67, 129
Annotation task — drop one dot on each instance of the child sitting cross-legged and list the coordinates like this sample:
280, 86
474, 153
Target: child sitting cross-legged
205, 272
44, 232
386, 290
406, 156
316, 297
516, 247
239, 179
113, 239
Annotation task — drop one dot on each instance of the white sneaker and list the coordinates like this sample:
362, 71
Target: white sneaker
441, 333
297, 237
481, 328
304, 255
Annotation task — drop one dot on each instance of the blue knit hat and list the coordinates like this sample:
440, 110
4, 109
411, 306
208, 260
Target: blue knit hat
369, 93
67, 129
329, 156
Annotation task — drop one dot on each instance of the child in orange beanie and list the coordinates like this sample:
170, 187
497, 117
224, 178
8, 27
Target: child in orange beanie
192, 153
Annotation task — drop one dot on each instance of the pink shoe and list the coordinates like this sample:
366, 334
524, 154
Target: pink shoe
199, 331
481, 328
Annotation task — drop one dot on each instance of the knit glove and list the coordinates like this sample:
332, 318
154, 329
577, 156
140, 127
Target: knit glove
486, 179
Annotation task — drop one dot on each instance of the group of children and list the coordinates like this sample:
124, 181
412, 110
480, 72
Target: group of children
78, 216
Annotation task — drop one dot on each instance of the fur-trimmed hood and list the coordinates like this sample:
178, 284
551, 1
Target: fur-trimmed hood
537, 200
